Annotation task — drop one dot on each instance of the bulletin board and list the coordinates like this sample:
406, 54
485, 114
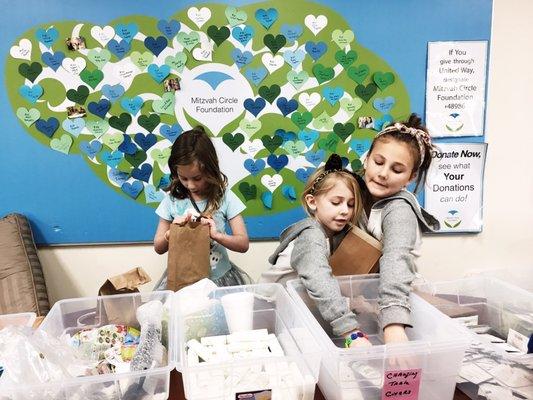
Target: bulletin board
96, 93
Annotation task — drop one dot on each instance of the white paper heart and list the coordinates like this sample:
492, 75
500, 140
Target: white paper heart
272, 63
272, 182
252, 147
316, 24
75, 66
125, 71
199, 17
22, 51
309, 101
102, 35
204, 52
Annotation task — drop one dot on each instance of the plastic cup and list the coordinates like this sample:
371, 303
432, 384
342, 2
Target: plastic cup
239, 311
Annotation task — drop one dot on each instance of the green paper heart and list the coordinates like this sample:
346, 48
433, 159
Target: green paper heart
121, 123
358, 74
342, 39
177, 62
343, 131
165, 105
301, 120
383, 79
97, 127
330, 143
249, 192
272, 143
235, 16
136, 159
269, 93
351, 105
99, 57
188, 40
322, 73
233, 141
294, 148
323, 121
274, 43
149, 122
30, 72
357, 165
92, 78
161, 156
297, 79
219, 35
346, 59
125, 166
113, 140
143, 60
62, 144
366, 92
28, 117
78, 95
250, 127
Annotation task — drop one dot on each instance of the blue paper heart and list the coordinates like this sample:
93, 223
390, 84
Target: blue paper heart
111, 158
303, 174
156, 46
345, 162
316, 50
31, 93
316, 157
243, 35
241, 58
48, 127
382, 122
289, 192
384, 105
53, 60
294, 58
169, 28
113, 92
132, 189
101, 108
164, 181
142, 173
74, 126
286, 135
266, 17
90, 148
256, 75
254, 166
127, 146
291, 32
277, 162
266, 198
153, 195
116, 176
145, 141
133, 105
286, 106
119, 49
360, 146
47, 37
159, 73
126, 32
308, 137
171, 132
254, 106
332, 95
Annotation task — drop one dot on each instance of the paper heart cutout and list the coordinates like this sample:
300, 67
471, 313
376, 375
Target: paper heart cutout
315, 158
248, 191
102, 34
62, 144
308, 137
316, 24
271, 182
272, 143
132, 189
316, 50
47, 127
28, 117
171, 132
256, 75
243, 35
266, 17
199, 16
22, 50
91, 149
291, 32
254, 167
233, 141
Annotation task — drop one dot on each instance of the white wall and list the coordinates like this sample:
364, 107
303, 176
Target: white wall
507, 238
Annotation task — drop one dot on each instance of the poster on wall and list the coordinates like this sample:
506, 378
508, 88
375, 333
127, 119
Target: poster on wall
455, 88
454, 186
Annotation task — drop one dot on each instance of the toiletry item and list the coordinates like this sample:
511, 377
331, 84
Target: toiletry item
238, 309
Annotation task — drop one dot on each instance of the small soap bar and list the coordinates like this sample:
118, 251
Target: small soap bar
200, 350
248, 336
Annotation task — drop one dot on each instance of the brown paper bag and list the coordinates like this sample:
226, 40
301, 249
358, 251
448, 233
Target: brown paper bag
357, 254
188, 255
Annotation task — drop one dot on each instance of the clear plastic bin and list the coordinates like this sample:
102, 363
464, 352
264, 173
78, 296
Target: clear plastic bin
70, 316
19, 319
521, 276
274, 310
436, 347
487, 367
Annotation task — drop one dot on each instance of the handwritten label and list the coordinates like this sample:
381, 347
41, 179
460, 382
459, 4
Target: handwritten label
402, 384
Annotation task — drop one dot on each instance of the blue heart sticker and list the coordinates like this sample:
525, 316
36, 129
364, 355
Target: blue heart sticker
164, 181
142, 173
316, 50
308, 137
47, 37
316, 157
126, 32
291, 32
286, 106
48, 127
266, 17
384, 105
254, 166
254, 106
332, 95
132, 189
241, 58
266, 198
145, 141
294, 58
382, 122
286, 135
74, 126
133, 105
117, 177
127, 146
256, 75
171, 132
31, 93
101, 108
90, 148
303, 174
289, 192
360, 146
119, 49
153, 195
277, 162
111, 158
169, 28
159, 73
113, 92
243, 35
156, 46
53, 60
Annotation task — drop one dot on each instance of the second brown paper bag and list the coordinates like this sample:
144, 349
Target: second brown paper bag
188, 254
357, 254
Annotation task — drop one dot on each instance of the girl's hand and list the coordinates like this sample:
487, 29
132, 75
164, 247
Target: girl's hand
167, 235
395, 333
213, 233
356, 338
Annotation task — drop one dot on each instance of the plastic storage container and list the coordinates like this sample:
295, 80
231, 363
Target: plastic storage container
488, 370
291, 376
429, 362
70, 316
19, 319
521, 276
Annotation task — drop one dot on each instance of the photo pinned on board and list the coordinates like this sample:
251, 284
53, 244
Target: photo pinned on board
75, 43
171, 85
365, 123
76, 112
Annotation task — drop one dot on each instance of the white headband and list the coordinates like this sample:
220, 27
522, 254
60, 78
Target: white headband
422, 137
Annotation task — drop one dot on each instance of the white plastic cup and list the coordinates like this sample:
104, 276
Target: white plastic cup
239, 311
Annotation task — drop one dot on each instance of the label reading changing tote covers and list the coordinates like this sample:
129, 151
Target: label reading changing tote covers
401, 385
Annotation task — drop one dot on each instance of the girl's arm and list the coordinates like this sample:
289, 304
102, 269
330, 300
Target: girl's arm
237, 241
161, 236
